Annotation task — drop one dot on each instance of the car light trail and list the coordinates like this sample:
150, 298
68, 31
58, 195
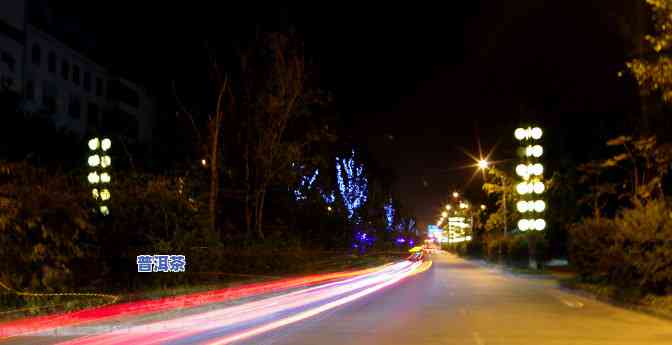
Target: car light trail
228, 324
51, 322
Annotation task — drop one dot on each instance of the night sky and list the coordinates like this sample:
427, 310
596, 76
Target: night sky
417, 83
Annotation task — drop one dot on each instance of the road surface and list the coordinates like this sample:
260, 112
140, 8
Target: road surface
453, 302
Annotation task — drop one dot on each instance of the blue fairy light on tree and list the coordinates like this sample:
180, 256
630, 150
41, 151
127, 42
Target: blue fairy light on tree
352, 184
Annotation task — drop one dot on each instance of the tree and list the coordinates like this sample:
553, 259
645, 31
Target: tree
655, 74
352, 184
273, 95
598, 191
501, 184
646, 163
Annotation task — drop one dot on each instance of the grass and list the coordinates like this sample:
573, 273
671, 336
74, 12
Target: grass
13, 306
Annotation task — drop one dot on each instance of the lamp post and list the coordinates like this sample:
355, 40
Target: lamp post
99, 177
531, 171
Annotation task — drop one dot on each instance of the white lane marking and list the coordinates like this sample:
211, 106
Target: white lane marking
572, 304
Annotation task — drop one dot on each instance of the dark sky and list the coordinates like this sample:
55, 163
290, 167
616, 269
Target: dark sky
418, 82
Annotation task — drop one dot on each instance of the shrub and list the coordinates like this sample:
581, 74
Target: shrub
590, 244
493, 247
44, 227
644, 236
518, 250
540, 247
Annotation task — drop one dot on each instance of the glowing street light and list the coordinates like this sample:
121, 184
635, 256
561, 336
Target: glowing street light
93, 177
483, 207
104, 195
106, 144
523, 188
522, 170
539, 187
448, 207
520, 133
105, 177
444, 214
94, 160
94, 143
105, 161
100, 162
536, 133
483, 164
456, 195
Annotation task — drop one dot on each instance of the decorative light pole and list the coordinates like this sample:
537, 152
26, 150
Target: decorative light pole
530, 189
99, 177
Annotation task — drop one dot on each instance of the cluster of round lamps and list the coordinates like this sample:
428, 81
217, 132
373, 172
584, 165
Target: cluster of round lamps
99, 161
531, 171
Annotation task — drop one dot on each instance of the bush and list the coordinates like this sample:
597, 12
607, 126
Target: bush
644, 236
44, 227
590, 243
634, 249
518, 250
493, 247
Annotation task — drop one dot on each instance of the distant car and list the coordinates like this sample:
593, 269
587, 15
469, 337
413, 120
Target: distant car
419, 256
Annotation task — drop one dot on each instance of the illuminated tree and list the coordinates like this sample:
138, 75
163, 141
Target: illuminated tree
389, 214
305, 185
655, 74
352, 184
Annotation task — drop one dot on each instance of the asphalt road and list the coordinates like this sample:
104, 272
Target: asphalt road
458, 302
454, 302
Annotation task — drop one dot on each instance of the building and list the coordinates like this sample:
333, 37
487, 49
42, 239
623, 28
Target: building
79, 94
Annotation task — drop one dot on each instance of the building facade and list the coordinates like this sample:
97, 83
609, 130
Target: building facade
80, 95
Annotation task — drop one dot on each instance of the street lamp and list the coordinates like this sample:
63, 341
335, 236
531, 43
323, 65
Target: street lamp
483, 164
456, 195
483, 207
448, 207
99, 162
